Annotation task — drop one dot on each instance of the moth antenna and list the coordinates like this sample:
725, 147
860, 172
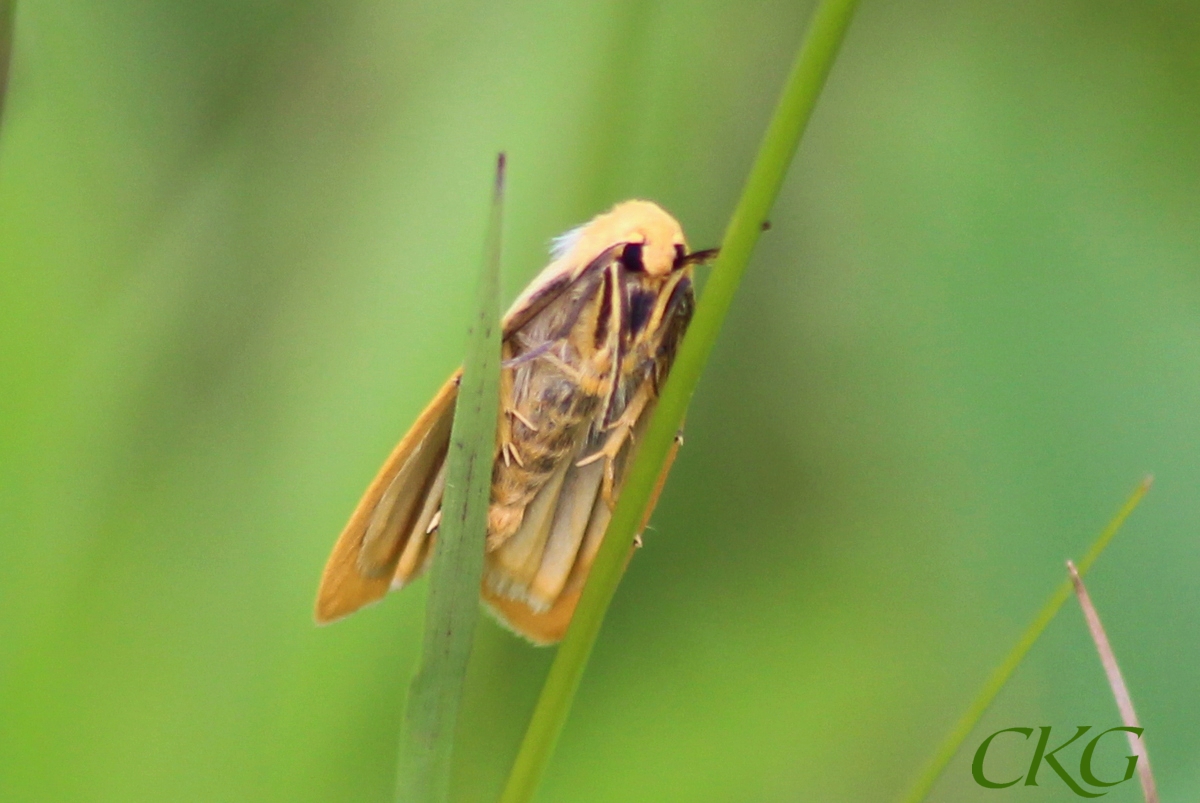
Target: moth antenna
697, 257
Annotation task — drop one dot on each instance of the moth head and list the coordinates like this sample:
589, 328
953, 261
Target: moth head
640, 233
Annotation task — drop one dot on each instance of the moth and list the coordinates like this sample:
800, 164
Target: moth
585, 350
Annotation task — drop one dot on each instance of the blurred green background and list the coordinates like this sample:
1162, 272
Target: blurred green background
237, 241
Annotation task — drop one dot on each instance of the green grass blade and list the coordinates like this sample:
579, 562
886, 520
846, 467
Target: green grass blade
962, 729
804, 83
452, 607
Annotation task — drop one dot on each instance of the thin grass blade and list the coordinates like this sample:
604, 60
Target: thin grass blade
813, 62
962, 729
452, 607
1116, 682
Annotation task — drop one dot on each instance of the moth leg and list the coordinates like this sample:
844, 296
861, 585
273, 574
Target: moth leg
528, 356
508, 446
608, 452
589, 382
569, 371
658, 486
511, 455
619, 431
517, 415
631, 416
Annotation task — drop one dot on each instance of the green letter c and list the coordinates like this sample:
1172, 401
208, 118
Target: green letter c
977, 764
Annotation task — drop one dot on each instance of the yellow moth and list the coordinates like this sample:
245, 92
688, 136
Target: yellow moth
586, 348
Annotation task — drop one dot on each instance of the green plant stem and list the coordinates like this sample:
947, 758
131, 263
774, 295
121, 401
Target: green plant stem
452, 606
813, 61
962, 729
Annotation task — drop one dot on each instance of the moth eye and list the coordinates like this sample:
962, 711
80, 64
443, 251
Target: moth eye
680, 254
631, 258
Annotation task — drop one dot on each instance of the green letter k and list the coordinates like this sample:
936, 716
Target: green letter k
1040, 753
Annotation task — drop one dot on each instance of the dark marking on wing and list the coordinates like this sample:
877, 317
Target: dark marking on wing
641, 306
581, 294
602, 320
676, 318
619, 314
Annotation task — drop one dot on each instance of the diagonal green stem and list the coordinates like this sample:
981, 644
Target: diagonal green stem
813, 61
962, 729
452, 607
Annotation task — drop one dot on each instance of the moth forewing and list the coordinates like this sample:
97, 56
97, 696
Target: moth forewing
585, 348
346, 585
571, 517
416, 553
550, 625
